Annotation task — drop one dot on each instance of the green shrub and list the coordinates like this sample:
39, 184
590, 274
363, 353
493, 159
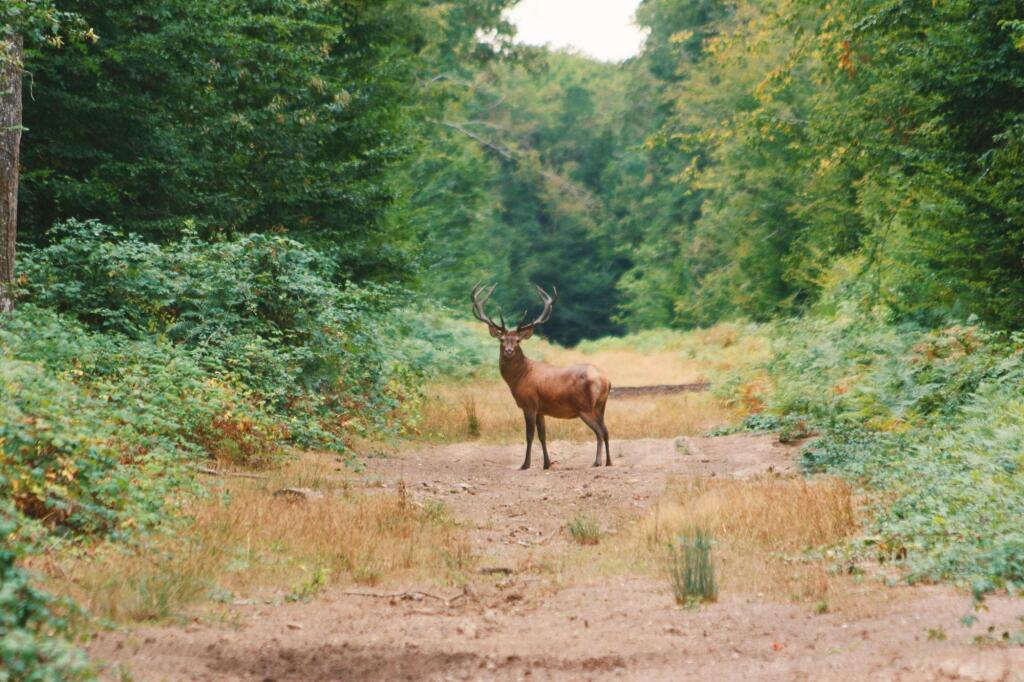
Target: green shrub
434, 342
100, 431
261, 312
126, 362
691, 568
931, 420
34, 627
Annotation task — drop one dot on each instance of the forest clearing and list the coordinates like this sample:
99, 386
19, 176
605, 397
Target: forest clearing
511, 339
459, 566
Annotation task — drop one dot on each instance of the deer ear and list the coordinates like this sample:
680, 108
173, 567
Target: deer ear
495, 332
525, 333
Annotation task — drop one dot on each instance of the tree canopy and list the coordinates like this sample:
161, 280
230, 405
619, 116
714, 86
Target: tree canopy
760, 157
244, 117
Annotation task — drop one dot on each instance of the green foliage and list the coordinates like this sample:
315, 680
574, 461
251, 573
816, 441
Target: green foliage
33, 625
759, 159
126, 362
789, 427
260, 312
756, 160
691, 568
936, 165
192, 350
870, 148
434, 342
133, 354
931, 421
514, 188
40, 21
245, 117
99, 432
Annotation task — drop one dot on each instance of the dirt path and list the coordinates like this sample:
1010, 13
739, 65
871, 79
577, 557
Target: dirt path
523, 615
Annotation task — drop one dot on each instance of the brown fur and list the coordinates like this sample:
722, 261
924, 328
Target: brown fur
542, 390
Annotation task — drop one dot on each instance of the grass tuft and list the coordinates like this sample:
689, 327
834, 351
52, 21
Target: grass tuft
472, 420
584, 530
691, 568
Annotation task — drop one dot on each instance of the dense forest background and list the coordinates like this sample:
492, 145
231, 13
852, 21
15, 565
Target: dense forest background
756, 159
248, 225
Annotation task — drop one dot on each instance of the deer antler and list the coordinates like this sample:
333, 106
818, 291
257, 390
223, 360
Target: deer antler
478, 305
549, 301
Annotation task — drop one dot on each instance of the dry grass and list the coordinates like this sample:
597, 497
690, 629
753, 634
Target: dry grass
484, 408
726, 347
631, 368
768, 535
762, 530
243, 539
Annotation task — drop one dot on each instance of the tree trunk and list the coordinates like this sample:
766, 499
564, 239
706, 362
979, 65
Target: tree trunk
11, 56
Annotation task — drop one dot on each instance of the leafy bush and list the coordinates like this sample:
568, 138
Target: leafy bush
261, 311
126, 361
99, 430
436, 343
33, 625
931, 420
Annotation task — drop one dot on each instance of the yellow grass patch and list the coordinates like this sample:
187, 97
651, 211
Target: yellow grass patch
765, 532
762, 529
484, 408
770, 535
243, 538
629, 368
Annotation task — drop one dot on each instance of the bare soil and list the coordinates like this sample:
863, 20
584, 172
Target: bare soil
523, 615
661, 389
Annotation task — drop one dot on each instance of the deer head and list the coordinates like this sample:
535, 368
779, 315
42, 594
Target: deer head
510, 338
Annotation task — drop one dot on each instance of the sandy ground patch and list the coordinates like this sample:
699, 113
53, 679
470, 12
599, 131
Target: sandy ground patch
534, 614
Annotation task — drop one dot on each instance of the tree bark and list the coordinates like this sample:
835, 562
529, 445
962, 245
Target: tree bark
11, 63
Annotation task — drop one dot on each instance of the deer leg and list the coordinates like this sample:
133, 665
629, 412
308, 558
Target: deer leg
596, 428
543, 440
604, 431
607, 448
531, 420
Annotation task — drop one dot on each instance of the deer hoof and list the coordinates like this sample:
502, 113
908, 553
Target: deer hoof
524, 467
547, 465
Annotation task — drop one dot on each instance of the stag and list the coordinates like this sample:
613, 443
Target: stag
542, 390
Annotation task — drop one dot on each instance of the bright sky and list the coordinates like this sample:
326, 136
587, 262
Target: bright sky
603, 29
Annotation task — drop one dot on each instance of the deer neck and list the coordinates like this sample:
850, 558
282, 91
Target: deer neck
513, 368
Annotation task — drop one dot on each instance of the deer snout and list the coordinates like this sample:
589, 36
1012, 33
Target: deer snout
509, 351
